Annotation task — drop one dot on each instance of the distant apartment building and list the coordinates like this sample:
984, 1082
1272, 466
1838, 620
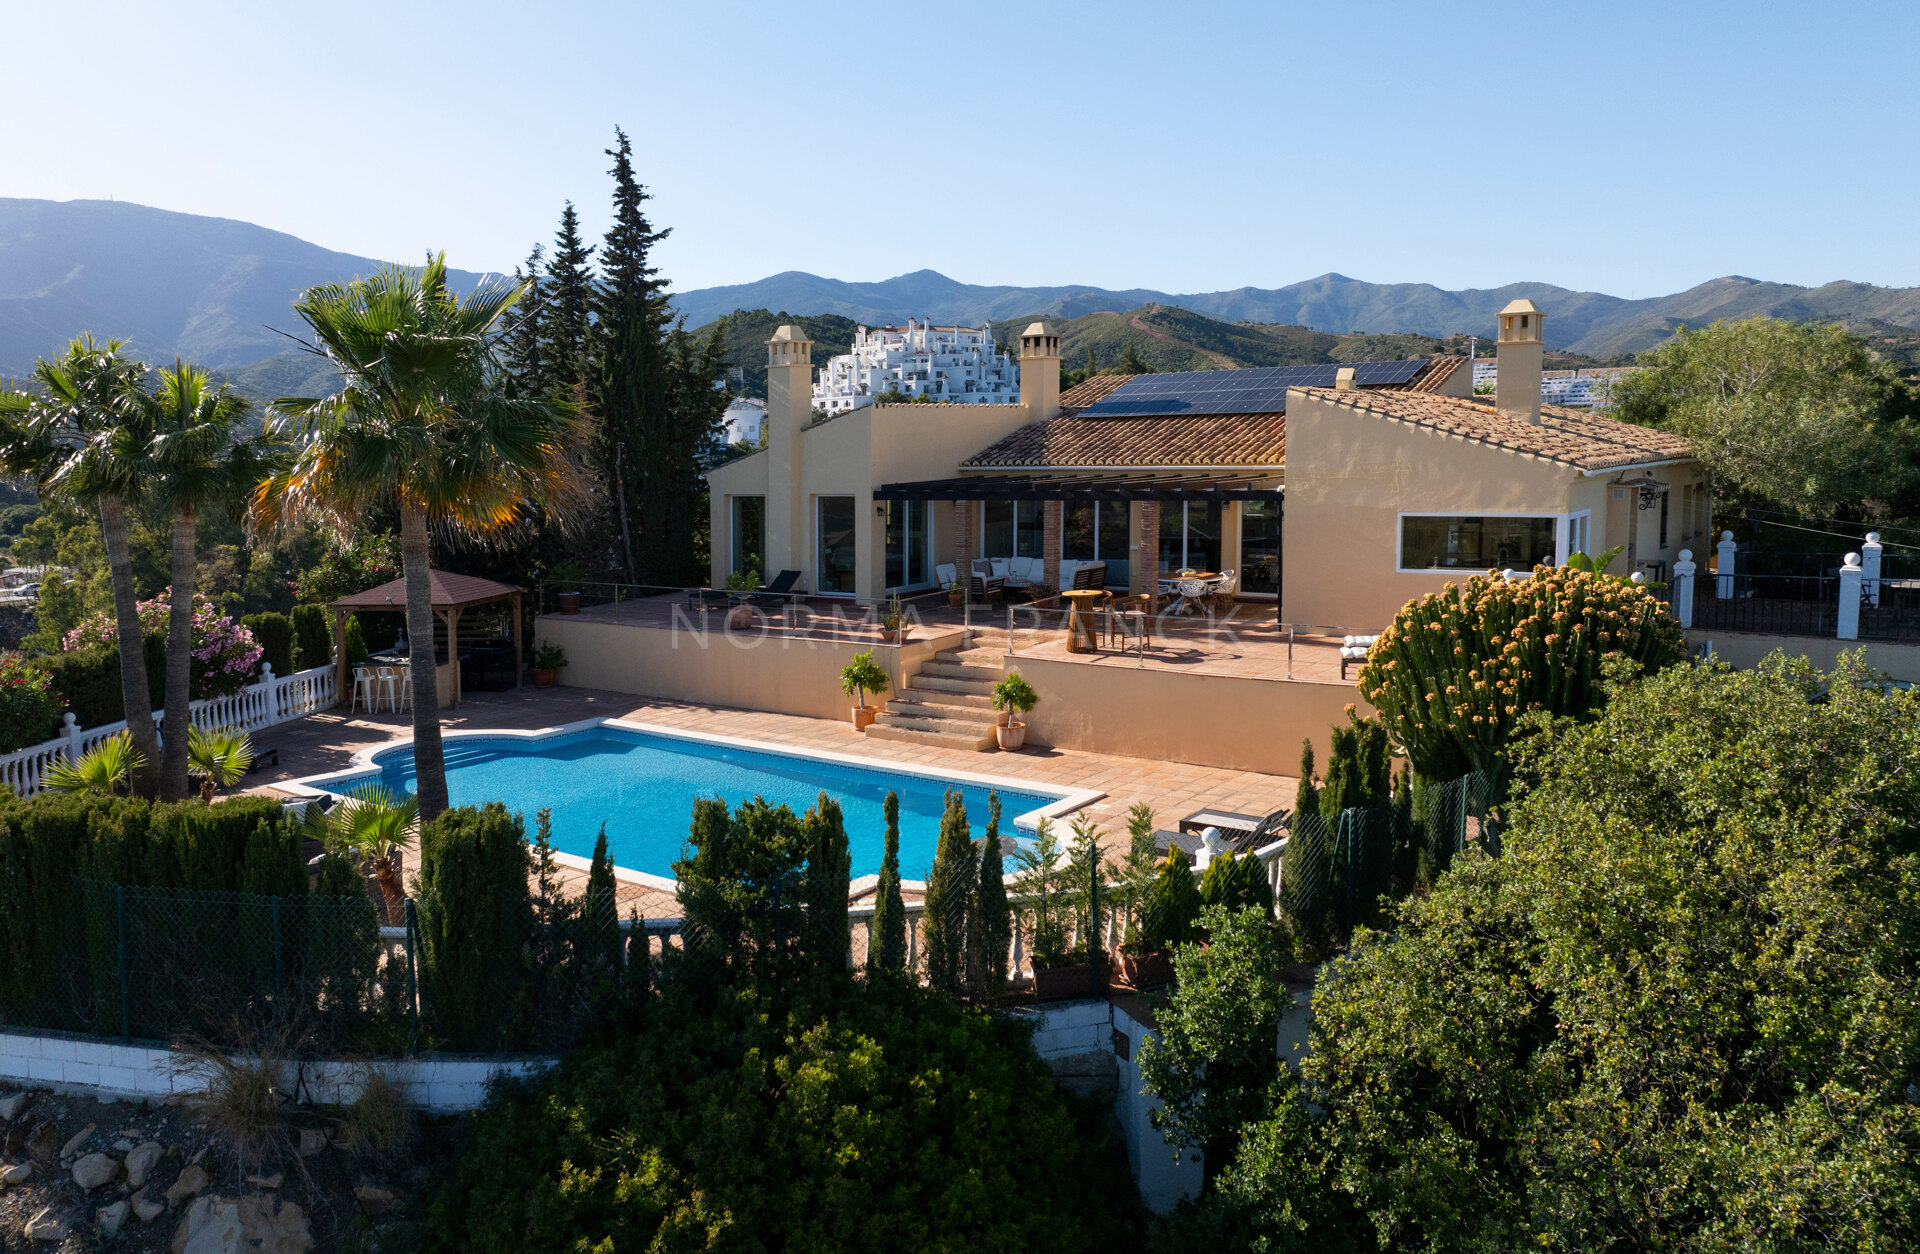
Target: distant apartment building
744, 420
955, 365
1590, 389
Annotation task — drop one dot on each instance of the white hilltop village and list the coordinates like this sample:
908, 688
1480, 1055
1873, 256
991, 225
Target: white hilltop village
957, 365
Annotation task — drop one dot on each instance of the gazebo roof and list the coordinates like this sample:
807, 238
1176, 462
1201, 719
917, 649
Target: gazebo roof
449, 591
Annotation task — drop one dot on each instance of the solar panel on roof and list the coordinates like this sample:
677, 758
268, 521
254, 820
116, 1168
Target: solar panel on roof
1258, 391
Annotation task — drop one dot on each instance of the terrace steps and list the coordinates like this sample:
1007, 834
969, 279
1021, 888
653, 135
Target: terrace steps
949, 702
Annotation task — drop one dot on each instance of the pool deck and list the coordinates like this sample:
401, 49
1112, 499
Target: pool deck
327, 742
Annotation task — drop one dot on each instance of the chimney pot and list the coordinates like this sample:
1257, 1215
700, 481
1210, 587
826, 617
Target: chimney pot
1343, 379
1519, 351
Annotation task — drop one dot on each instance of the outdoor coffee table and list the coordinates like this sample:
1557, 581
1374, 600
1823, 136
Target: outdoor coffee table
1080, 629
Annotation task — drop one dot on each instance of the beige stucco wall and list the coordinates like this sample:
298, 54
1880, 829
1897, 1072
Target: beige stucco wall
1351, 475
746, 671
1742, 650
1176, 716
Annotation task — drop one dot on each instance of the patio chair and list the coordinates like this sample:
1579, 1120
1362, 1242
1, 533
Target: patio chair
1353, 652
985, 585
1244, 833
1220, 596
1089, 575
704, 599
1128, 626
779, 593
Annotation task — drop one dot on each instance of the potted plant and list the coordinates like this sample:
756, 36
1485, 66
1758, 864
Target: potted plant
548, 659
1168, 909
566, 578
893, 623
1012, 697
956, 594
857, 679
1058, 972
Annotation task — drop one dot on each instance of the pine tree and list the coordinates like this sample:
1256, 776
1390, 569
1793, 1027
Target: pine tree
566, 323
1306, 797
991, 936
1131, 362
887, 949
1093, 365
950, 887
829, 867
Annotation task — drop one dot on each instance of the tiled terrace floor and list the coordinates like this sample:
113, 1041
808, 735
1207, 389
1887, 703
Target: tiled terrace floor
328, 740
1249, 644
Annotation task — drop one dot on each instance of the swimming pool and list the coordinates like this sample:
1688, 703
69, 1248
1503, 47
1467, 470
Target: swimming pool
642, 781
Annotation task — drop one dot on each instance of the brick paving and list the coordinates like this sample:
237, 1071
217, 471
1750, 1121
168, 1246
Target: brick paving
327, 741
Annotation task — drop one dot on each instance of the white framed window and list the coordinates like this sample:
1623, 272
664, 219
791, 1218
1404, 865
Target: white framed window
1578, 537
1476, 543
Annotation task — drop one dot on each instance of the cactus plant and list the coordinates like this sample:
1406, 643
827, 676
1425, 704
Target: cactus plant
1459, 667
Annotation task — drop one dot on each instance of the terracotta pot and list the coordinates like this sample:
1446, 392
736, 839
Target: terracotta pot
569, 602
1010, 735
1143, 971
545, 679
956, 599
863, 717
895, 635
1062, 983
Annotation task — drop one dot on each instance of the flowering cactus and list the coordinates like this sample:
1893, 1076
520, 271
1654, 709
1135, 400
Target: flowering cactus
1459, 667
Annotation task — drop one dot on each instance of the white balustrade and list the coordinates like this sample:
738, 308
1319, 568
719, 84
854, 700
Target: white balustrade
272, 699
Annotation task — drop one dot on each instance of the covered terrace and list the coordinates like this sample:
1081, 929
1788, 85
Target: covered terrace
451, 596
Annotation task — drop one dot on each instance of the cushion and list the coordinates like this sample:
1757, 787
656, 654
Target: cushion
945, 573
1031, 569
1000, 566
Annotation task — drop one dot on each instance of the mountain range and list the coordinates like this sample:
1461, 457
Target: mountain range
218, 291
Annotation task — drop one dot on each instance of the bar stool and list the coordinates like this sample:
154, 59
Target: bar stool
365, 685
388, 690
406, 687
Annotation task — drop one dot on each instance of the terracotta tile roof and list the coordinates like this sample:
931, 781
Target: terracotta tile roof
1438, 371
447, 589
1208, 440
1571, 437
1091, 391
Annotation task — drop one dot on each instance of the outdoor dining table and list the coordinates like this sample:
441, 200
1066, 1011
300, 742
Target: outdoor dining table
1080, 629
1172, 584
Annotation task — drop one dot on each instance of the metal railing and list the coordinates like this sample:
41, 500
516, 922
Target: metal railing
1791, 605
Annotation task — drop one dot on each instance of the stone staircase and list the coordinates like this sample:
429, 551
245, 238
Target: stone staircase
949, 702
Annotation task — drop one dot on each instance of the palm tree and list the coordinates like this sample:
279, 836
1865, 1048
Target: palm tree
199, 461
102, 769
86, 438
422, 420
368, 828
220, 756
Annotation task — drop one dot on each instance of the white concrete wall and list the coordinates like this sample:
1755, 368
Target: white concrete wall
66, 1063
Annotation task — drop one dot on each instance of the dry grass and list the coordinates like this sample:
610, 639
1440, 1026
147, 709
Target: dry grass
239, 1096
378, 1125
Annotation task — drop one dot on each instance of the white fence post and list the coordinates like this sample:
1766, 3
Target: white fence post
1850, 599
1723, 585
1683, 588
73, 736
1870, 568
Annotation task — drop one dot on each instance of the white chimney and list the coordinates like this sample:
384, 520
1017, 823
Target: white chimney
1343, 378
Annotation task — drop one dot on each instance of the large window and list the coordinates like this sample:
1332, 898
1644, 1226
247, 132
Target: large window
1097, 532
837, 553
1189, 536
1260, 545
750, 535
1580, 533
908, 543
1012, 529
1476, 542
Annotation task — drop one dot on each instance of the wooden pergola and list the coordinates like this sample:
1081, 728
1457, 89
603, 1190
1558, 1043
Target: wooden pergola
450, 594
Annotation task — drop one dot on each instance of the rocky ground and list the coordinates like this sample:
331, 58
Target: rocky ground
81, 1174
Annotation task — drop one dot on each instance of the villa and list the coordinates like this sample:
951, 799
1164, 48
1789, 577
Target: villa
953, 365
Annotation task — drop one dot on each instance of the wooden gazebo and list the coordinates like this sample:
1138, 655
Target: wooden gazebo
451, 594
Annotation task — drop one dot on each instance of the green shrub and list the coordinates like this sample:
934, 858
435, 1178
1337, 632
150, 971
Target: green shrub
951, 884
88, 680
742, 889
829, 873
858, 1117
887, 948
1238, 882
990, 937
356, 642
29, 706
313, 636
1457, 669
274, 634
475, 917
1171, 905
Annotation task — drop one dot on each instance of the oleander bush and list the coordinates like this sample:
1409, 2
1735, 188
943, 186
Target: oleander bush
30, 708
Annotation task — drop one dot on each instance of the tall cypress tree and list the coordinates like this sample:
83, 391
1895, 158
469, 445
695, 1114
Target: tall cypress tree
887, 947
991, 935
567, 321
600, 911
526, 355
829, 866
949, 900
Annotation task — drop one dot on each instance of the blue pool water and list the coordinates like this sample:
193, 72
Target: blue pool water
642, 786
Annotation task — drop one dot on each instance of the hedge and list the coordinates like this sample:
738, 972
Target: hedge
273, 632
88, 680
475, 920
313, 636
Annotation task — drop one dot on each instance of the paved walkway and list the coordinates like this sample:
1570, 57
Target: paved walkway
328, 740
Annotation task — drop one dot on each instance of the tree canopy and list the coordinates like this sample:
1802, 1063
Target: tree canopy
1679, 1013
1802, 415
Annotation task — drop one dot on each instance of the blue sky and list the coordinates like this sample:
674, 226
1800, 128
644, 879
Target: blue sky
1629, 148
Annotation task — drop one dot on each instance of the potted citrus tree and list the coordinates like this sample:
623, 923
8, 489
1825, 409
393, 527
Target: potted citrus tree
548, 659
1012, 697
858, 678
1059, 973
566, 578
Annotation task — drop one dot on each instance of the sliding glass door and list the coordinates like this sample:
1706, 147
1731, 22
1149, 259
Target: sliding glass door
1189, 536
909, 543
1097, 532
835, 529
1260, 545
750, 536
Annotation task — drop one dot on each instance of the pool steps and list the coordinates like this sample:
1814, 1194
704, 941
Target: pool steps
948, 702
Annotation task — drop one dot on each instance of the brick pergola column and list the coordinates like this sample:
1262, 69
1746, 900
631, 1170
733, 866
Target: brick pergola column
1052, 517
1143, 566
